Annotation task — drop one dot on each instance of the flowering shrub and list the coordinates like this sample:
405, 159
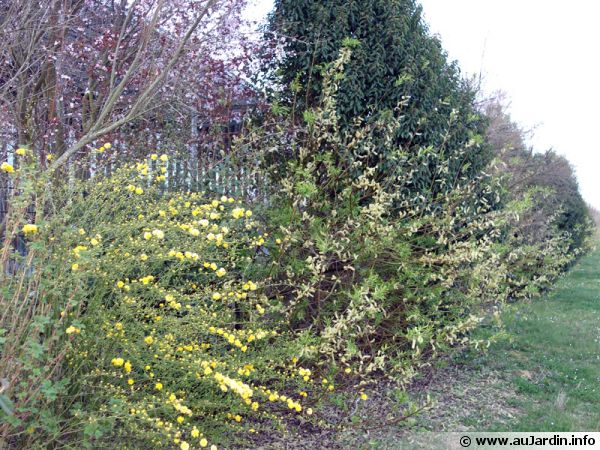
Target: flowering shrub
176, 341
169, 340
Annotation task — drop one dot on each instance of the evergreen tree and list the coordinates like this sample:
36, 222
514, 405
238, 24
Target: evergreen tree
396, 68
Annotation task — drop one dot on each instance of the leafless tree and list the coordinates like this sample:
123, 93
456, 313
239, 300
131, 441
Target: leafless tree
74, 71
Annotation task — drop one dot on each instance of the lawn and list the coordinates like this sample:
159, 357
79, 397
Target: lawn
552, 359
543, 376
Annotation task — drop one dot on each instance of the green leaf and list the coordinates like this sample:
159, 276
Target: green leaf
6, 405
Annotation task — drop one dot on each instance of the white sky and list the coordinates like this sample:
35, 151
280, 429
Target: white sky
544, 54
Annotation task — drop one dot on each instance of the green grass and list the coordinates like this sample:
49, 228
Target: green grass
551, 358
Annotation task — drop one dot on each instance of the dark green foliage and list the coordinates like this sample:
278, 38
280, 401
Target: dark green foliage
397, 69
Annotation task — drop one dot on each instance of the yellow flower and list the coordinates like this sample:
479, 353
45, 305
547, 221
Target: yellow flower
180, 419
203, 442
237, 213
158, 386
127, 367
130, 382
6, 167
363, 396
195, 432
21, 151
94, 241
153, 156
75, 267
139, 191
164, 158
147, 235
30, 229
158, 234
216, 296
117, 362
148, 340
120, 284
107, 145
50, 156
184, 445
72, 330
147, 279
